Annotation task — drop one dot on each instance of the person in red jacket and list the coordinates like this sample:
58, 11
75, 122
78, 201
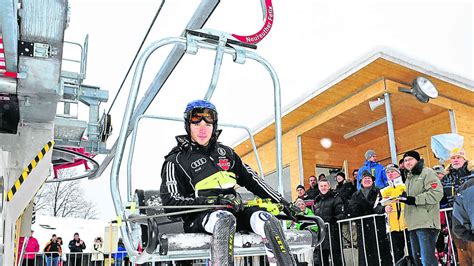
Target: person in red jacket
32, 247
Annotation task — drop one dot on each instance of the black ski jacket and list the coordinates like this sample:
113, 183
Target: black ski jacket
329, 207
192, 172
452, 181
312, 192
74, 248
372, 233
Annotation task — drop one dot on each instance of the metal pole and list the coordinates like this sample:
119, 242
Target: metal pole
341, 240
452, 121
352, 243
363, 241
300, 159
23, 248
389, 230
377, 241
330, 244
277, 103
450, 233
217, 67
391, 133
9, 22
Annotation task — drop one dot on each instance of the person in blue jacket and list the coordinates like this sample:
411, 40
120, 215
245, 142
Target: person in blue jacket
121, 253
463, 212
374, 168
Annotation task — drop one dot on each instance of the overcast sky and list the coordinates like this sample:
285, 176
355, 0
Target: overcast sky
310, 41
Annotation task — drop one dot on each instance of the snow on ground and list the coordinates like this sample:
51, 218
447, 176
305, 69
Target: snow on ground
46, 226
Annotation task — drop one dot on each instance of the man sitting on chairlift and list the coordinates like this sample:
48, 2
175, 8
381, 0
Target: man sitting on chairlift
202, 171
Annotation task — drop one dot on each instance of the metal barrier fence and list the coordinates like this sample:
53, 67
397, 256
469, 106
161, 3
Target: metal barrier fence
369, 250
75, 259
349, 242
351, 247
323, 255
110, 259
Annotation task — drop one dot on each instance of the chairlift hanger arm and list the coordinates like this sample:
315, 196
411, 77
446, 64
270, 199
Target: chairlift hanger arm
221, 41
197, 21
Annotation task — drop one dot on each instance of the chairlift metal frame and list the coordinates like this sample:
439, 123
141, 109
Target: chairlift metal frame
192, 43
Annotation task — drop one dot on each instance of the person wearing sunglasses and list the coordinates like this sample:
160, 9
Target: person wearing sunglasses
202, 171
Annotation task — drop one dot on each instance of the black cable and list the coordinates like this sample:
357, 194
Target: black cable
136, 55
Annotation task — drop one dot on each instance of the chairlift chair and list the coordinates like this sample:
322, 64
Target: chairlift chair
141, 224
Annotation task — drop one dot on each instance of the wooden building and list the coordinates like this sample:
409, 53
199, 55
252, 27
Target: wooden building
341, 108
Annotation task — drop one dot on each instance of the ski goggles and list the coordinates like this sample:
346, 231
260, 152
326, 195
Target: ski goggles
196, 115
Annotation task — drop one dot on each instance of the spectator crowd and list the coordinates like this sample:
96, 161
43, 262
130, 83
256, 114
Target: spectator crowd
401, 213
53, 254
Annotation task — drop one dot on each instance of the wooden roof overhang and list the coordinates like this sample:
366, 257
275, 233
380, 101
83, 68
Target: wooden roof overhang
343, 106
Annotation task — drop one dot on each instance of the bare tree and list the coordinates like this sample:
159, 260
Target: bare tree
64, 199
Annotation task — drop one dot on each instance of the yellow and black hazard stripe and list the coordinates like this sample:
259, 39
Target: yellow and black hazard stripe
28, 169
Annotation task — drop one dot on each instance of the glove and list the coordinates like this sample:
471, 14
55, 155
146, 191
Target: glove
408, 200
290, 209
233, 202
314, 228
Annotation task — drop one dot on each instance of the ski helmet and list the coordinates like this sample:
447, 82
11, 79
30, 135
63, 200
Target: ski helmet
199, 110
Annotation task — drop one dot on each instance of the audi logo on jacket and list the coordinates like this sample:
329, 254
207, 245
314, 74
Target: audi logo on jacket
192, 172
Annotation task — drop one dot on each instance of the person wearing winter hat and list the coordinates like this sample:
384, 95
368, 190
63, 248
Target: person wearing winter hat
374, 168
301, 204
366, 173
440, 171
372, 242
395, 210
340, 177
459, 171
344, 188
301, 193
423, 194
